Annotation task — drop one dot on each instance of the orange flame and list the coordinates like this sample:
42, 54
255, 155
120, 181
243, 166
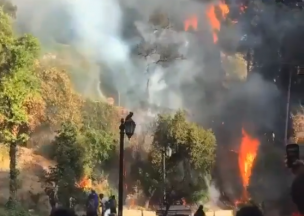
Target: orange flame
247, 153
85, 182
213, 19
191, 22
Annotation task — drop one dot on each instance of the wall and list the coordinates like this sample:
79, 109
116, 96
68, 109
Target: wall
152, 213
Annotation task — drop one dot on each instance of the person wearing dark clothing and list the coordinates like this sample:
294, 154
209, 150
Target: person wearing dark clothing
92, 204
200, 211
297, 187
249, 211
52, 195
113, 205
297, 192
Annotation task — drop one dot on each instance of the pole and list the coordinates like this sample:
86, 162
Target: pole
121, 167
118, 94
287, 108
164, 175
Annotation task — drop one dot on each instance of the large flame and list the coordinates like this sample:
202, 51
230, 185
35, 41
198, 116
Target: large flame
247, 153
191, 22
214, 21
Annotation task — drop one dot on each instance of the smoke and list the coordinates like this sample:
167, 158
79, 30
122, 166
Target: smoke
109, 35
98, 31
213, 195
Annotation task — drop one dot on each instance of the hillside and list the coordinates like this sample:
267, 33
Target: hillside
30, 165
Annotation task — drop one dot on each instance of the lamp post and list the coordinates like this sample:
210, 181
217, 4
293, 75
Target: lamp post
127, 126
167, 152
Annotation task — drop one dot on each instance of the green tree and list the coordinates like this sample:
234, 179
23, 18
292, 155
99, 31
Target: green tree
193, 156
99, 147
100, 116
70, 157
18, 84
99, 130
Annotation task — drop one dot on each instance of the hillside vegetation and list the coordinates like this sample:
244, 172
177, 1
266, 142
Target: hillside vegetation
53, 135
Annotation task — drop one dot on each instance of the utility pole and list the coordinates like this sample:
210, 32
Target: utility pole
288, 106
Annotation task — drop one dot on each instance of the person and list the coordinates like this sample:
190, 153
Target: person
51, 192
297, 187
200, 211
72, 202
92, 204
251, 210
63, 212
107, 205
113, 204
102, 201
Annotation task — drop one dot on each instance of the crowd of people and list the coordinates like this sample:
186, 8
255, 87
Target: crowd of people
108, 207
100, 205
96, 205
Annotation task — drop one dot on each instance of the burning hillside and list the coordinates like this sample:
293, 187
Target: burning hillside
179, 59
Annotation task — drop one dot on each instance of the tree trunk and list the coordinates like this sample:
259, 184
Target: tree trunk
147, 203
13, 171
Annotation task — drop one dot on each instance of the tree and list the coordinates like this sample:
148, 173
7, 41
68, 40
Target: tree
62, 102
191, 162
99, 147
18, 86
71, 160
100, 116
100, 132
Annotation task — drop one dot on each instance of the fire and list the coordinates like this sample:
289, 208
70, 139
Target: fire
85, 183
213, 19
191, 22
247, 153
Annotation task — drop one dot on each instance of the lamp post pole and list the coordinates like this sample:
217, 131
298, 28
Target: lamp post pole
287, 108
167, 152
164, 175
121, 171
127, 126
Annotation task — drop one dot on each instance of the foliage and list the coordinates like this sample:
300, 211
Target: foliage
99, 147
100, 116
70, 158
15, 210
192, 159
18, 86
298, 123
62, 102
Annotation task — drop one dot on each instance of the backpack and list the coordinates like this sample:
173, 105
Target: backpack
91, 204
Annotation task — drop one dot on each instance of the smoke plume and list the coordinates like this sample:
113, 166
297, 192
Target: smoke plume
136, 62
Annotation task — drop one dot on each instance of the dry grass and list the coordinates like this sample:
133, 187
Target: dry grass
29, 165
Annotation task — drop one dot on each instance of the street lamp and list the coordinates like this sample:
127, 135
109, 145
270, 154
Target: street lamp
167, 152
127, 126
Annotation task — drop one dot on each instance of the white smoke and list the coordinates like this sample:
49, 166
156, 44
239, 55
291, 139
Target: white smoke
213, 195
